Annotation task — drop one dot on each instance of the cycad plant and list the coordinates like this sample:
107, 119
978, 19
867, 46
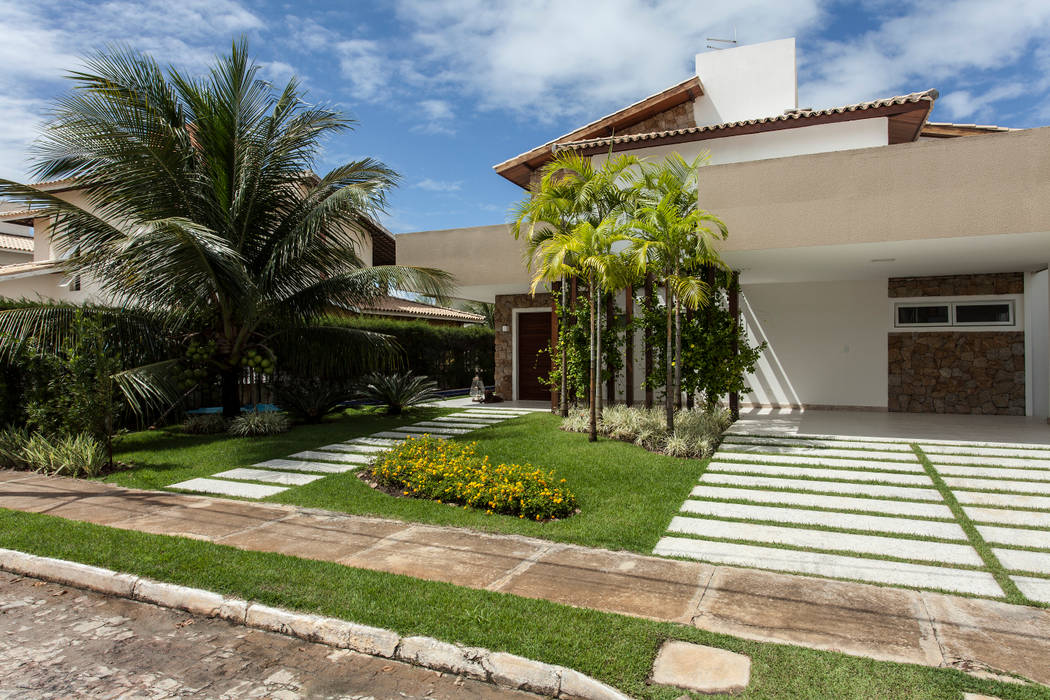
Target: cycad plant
672, 237
398, 391
204, 224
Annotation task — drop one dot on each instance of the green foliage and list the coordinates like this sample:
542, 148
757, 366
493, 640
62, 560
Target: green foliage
446, 354
64, 455
451, 472
260, 423
309, 399
709, 367
204, 424
397, 391
696, 433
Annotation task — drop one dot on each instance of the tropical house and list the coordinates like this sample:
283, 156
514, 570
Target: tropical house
889, 262
29, 264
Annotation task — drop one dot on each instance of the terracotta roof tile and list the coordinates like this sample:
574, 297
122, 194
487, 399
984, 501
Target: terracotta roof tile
397, 306
10, 241
795, 114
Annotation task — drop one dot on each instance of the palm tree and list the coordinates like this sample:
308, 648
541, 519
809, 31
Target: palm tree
571, 221
204, 220
674, 238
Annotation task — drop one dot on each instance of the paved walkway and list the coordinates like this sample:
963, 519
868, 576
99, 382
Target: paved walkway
62, 642
885, 623
825, 499
276, 475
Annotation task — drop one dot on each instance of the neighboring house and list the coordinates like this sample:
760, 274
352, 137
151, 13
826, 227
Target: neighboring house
890, 263
29, 263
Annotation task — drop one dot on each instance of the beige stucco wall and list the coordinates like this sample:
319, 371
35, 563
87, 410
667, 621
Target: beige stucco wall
976, 186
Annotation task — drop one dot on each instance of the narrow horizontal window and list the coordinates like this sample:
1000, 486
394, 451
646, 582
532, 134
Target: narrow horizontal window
989, 314
932, 315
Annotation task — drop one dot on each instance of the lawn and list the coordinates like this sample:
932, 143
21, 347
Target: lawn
613, 648
626, 494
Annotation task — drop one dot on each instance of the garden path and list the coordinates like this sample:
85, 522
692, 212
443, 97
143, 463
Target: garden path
888, 623
277, 475
949, 515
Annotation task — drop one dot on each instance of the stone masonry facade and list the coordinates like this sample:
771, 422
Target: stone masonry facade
678, 117
980, 372
504, 316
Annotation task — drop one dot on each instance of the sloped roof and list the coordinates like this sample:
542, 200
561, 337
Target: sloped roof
396, 306
950, 130
29, 269
11, 241
781, 120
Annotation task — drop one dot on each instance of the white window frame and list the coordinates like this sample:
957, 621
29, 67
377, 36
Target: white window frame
1014, 302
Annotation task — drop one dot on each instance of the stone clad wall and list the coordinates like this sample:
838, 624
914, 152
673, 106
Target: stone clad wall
678, 117
957, 371
503, 316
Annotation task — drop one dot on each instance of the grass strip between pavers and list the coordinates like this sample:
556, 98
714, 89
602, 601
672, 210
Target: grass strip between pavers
995, 568
613, 648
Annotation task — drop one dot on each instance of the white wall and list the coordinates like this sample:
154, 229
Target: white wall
827, 343
746, 82
1037, 343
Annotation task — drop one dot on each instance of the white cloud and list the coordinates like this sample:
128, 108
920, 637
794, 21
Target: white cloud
438, 116
963, 103
363, 64
439, 185
923, 45
552, 58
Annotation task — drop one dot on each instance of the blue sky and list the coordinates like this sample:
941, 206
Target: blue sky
444, 89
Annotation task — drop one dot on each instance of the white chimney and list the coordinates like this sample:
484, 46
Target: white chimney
746, 82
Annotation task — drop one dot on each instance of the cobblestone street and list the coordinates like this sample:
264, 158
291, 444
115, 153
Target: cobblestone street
61, 642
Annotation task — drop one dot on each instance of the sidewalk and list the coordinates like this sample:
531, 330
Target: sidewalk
883, 623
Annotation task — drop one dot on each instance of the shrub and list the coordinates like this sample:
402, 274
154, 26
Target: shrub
397, 391
697, 432
309, 398
68, 455
256, 424
205, 424
451, 472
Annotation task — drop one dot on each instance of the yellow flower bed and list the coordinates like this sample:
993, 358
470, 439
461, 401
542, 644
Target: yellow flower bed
449, 472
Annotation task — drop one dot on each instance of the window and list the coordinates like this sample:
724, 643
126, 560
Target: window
954, 313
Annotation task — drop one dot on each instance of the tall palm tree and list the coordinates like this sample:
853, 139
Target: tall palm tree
675, 239
203, 218
571, 221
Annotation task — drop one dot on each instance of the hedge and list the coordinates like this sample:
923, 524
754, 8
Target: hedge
446, 354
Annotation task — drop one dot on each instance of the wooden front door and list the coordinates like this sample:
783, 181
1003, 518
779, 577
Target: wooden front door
534, 360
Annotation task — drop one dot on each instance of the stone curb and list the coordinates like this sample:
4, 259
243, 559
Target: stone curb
499, 668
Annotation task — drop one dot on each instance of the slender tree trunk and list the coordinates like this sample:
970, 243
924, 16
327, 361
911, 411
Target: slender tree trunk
593, 431
598, 399
648, 339
678, 354
563, 395
231, 395
668, 359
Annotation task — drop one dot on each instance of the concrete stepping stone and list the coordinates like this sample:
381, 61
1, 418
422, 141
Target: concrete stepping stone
1016, 537
883, 438
701, 668
353, 447
377, 442
1006, 500
923, 510
1008, 517
872, 490
993, 472
1023, 560
832, 565
1036, 487
942, 450
1034, 588
463, 425
859, 456
847, 521
492, 412
460, 418
423, 429
904, 448
820, 472
341, 457
228, 488
939, 552
394, 435
1014, 462
299, 465
272, 477
815, 459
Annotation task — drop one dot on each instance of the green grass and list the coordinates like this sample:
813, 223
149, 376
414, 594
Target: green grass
613, 648
626, 494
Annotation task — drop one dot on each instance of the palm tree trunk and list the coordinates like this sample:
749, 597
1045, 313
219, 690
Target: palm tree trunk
598, 399
563, 394
678, 354
668, 359
231, 392
593, 433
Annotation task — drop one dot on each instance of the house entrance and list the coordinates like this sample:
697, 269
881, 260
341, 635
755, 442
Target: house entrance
533, 357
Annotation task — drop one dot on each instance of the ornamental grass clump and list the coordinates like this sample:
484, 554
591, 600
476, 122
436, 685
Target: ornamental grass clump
450, 472
697, 432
